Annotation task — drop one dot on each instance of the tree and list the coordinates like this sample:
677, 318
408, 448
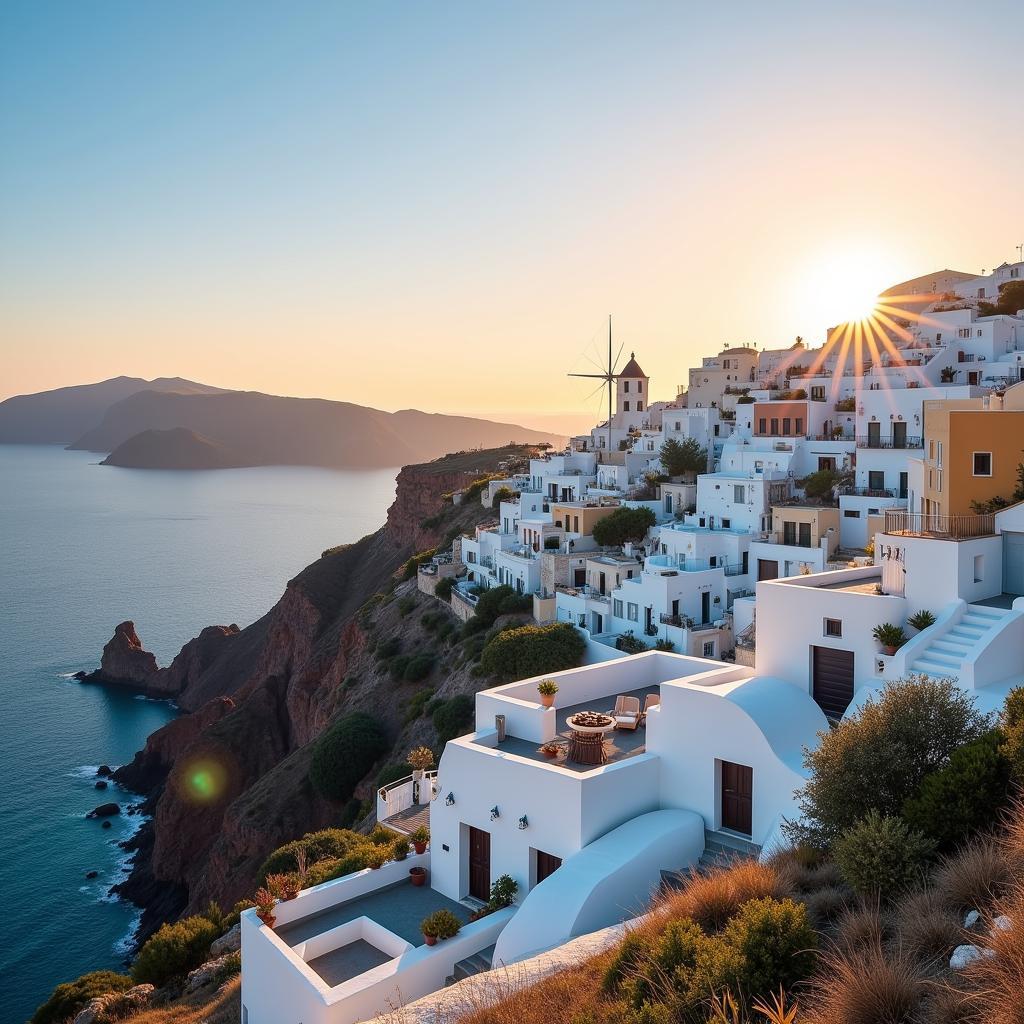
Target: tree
685, 456
820, 483
622, 525
878, 758
345, 753
503, 600
1011, 299
532, 651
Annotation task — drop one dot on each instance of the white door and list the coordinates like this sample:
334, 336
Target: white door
1013, 563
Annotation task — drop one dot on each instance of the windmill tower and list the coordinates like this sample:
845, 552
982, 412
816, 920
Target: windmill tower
608, 376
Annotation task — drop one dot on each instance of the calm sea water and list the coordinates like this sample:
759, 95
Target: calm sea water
83, 547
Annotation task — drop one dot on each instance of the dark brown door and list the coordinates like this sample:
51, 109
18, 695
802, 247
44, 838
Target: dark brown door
767, 569
547, 864
832, 680
737, 793
479, 864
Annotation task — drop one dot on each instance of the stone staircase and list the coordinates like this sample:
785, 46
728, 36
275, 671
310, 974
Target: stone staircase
720, 850
944, 656
475, 964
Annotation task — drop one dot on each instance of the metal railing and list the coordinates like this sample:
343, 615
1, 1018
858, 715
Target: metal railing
889, 442
872, 492
941, 527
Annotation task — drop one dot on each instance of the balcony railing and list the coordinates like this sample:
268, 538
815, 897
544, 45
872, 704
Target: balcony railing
684, 622
889, 442
872, 492
940, 527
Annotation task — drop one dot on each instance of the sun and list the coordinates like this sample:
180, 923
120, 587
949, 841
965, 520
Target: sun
842, 284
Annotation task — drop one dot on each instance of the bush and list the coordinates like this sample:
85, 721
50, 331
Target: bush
503, 600
174, 950
685, 456
444, 588
973, 877
776, 943
328, 844
532, 651
552, 543
963, 797
882, 855
406, 605
345, 753
389, 648
453, 717
418, 668
878, 757
411, 565
417, 704
503, 892
392, 773
398, 665
622, 525
1012, 722
503, 493
630, 643
922, 619
441, 923
71, 996
889, 635
819, 484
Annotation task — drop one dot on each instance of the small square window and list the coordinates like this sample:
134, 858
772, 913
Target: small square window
982, 463
709, 648
851, 513
726, 524
833, 627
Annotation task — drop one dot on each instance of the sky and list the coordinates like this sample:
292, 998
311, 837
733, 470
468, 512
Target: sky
437, 205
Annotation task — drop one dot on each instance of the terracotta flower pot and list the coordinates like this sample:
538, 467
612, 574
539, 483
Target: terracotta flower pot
418, 876
268, 919
889, 650
552, 752
430, 940
420, 847
547, 699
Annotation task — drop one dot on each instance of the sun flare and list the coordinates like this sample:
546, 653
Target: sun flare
843, 284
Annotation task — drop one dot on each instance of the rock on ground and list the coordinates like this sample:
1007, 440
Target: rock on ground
229, 942
206, 973
114, 1005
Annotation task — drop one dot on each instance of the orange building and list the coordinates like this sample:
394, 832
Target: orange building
780, 419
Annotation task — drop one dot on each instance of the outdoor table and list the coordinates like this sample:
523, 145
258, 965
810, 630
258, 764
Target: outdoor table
586, 744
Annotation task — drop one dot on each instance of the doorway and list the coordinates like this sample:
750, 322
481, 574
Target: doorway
479, 864
832, 675
547, 864
705, 606
737, 797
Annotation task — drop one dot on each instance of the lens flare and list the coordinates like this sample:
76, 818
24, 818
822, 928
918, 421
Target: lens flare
203, 780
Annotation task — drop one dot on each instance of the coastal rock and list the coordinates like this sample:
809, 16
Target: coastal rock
104, 811
229, 942
106, 823
104, 771
125, 660
115, 1005
92, 874
206, 973
196, 675
101, 784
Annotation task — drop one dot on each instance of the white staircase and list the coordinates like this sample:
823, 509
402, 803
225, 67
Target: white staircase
944, 656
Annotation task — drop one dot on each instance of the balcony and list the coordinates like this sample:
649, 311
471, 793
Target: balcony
888, 442
939, 527
873, 492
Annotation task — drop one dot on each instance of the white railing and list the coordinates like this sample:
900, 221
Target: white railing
405, 793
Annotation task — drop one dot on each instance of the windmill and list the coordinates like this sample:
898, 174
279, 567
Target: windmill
608, 376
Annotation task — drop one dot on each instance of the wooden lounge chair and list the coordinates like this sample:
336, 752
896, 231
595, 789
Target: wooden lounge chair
650, 701
627, 712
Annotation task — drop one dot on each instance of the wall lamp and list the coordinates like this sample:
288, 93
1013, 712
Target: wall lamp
449, 800
523, 823
495, 813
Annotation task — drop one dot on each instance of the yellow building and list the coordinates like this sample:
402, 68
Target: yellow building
805, 525
973, 448
579, 516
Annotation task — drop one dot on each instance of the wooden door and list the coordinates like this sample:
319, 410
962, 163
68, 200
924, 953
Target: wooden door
737, 797
547, 864
833, 675
479, 864
767, 569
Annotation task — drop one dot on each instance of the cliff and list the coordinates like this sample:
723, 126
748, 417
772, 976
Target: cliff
228, 782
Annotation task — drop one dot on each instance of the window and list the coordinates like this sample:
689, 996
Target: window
709, 648
785, 425
833, 627
762, 426
775, 428
938, 456
979, 568
617, 608
625, 386
625, 406
931, 451
726, 524
805, 535
938, 480
632, 612
982, 463
738, 493
876, 480
851, 513
964, 332
640, 387
818, 393
639, 406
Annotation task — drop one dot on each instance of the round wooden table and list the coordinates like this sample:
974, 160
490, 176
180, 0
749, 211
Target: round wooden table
586, 744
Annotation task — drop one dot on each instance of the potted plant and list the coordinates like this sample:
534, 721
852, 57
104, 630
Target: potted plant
420, 837
503, 892
418, 875
422, 760
400, 848
265, 903
889, 636
550, 750
283, 887
377, 857
547, 688
922, 619
441, 924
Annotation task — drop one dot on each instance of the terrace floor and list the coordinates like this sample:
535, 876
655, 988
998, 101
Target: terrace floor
618, 744
409, 820
349, 961
399, 908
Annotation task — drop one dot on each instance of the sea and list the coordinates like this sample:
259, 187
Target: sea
82, 548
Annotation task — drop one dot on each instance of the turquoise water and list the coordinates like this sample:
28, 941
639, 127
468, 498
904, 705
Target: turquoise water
83, 547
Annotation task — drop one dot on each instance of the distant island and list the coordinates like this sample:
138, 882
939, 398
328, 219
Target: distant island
173, 423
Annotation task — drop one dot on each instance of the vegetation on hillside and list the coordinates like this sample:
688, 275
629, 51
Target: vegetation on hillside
623, 525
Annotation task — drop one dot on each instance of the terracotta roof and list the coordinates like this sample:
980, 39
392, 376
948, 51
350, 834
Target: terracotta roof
632, 368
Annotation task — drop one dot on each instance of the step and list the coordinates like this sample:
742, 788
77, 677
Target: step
968, 635
939, 658
988, 613
930, 668
953, 648
730, 840
478, 963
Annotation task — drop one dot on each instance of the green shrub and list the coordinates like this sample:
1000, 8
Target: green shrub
664, 645
503, 892
345, 753
501, 494
532, 651
820, 483
889, 635
392, 773
328, 844
622, 525
1012, 721
881, 855
355, 860
389, 648
398, 665
630, 643
406, 604
503, 600
417, 704
444, 587
441, 923
631, 954
71, 996
410, 567
776, 943
453, 717
963, 797
231, 967
878, 757
922, 619
418, 668
174, 950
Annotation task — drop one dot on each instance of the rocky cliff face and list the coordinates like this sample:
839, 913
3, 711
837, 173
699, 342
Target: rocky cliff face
125, 661
228, 782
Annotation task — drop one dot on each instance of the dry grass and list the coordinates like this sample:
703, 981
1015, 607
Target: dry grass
865, 986
997, 979
712, 899
926, 928
974, 877
860, 928
222, 1007
826, 905
1011, 833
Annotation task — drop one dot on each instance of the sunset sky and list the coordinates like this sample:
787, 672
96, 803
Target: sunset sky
438, 204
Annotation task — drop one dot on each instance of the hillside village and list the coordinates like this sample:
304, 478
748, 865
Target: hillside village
679, 608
